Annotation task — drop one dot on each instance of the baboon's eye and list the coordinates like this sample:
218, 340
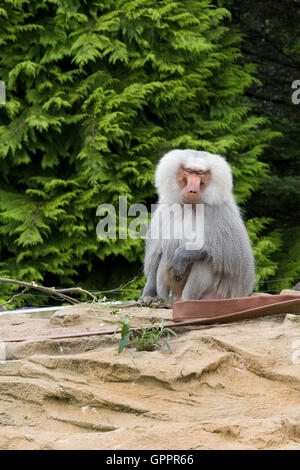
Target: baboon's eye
195, 172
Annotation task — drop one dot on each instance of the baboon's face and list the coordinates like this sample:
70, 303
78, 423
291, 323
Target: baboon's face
192, 182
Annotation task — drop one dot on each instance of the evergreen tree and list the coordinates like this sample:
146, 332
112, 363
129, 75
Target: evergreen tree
271, 41
97, 92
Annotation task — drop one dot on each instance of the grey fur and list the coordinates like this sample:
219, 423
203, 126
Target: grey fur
224, 265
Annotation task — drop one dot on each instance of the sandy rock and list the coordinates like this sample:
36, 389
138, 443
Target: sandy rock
255, 294
14, 318
289, 291
292, 318
233, 386
68, 316
10, 367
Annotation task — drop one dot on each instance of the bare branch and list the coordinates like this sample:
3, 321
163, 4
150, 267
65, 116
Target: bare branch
49, 290
14, 297
77, 289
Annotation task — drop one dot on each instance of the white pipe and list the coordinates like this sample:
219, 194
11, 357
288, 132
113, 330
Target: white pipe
33, 310
117, 303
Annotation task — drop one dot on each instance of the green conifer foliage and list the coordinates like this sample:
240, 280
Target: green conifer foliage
271, 32
97, 92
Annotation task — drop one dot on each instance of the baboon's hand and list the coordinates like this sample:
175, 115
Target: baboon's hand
178, 266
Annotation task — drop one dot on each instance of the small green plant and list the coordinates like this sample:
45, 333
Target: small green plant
125, 332
145, 339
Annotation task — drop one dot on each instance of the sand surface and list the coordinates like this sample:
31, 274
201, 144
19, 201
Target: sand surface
233, 386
